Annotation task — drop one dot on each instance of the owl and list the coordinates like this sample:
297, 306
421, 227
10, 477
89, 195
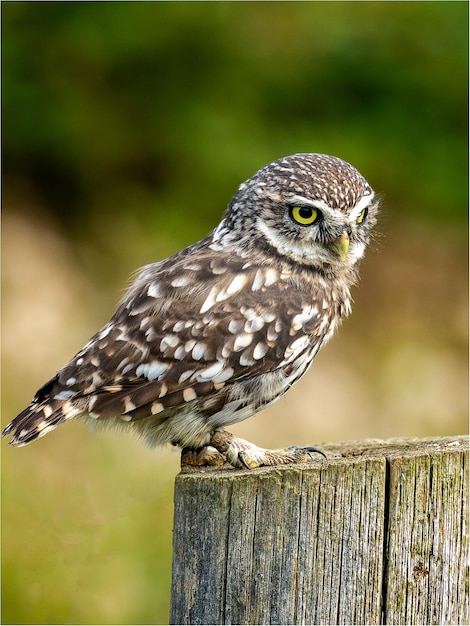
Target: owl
223, 328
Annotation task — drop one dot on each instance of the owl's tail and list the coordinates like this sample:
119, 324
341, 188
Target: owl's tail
43, 415
37, 420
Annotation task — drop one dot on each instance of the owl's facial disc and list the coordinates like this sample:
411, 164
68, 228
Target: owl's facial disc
308, 231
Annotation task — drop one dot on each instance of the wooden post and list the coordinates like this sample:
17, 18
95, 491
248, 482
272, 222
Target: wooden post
377, 534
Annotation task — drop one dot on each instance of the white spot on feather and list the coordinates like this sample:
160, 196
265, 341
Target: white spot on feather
145, 321
64, 395
246, 358
223, 376
271, 277
169, 341
44, 428
180, 281
296, 347
150, 334
242, 341
225, 352
271, 334
180, 353
254, 325
198, 351
258, 281
235, 326
237, 284
157, 407
189, 345
189, 394
128, 405
267, 316
153, 290
151, 370
260, 350
215, 295
209, 301
302, 318
210, 372
216, 377
185, 375
195, 267
104, 333
91, 404
96, 380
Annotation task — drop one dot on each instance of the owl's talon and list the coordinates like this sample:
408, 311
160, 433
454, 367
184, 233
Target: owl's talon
241, 458
248, 464
309, 449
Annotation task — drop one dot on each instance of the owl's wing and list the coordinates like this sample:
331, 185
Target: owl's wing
187, 328
188, 332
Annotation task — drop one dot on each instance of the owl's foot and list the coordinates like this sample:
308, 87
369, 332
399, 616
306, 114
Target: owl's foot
202, 457
246, 455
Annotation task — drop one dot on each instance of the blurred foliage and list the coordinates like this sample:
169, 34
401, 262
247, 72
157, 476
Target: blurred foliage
151, 106
126, 128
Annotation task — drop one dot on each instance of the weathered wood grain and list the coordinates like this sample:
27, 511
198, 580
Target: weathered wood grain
378, 534
427, 549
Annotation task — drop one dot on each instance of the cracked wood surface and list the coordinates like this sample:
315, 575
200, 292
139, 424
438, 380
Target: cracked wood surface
376, 534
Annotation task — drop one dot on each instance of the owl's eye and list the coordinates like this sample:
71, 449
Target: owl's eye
362, 216
304, 215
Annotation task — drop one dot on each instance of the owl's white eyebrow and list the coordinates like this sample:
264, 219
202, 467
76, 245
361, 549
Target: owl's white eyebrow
301, 200
364, 202
317, 204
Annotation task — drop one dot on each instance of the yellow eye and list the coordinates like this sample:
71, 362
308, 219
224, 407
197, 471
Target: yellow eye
362, 216
304, 215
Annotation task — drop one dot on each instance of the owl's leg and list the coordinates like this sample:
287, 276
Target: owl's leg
243, 454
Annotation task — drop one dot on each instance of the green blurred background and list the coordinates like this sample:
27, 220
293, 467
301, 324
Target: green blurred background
126, 129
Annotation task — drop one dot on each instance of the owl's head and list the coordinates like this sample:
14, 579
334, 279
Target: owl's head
312, 209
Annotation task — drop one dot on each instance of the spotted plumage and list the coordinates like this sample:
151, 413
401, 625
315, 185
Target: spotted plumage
213, 334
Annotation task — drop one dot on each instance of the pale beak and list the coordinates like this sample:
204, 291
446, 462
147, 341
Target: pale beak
340, 246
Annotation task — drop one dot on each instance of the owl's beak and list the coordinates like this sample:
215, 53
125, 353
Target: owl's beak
340, 246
